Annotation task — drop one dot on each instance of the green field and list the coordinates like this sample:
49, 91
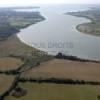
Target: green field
58, 92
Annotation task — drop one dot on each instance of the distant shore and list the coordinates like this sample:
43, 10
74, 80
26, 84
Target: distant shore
92, 27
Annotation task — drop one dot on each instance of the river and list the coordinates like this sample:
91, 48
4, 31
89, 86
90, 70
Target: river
58, 34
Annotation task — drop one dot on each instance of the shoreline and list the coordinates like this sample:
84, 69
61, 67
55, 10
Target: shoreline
83, 25
87, 27
62, 56
69, 57
77, 27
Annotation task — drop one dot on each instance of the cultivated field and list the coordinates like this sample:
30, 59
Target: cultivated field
66, 69
8, 63
5, 82
58, 92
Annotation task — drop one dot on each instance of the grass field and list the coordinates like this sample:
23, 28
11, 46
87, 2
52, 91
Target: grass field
5, 82
66, 69
58, 92
15, 47
8, 63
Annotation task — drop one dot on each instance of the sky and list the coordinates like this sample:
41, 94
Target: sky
33, 2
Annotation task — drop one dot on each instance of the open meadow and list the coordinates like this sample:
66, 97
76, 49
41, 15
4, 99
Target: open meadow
44, 91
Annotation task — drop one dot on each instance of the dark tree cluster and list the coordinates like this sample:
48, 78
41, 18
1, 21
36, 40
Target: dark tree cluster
73, 58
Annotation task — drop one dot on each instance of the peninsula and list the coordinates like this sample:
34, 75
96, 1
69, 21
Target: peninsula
92, 27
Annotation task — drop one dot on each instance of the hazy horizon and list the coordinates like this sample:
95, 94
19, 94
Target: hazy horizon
4, 3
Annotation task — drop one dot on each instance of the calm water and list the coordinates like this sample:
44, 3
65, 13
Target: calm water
58, 33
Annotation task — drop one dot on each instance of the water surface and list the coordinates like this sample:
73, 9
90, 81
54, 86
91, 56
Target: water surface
58, 34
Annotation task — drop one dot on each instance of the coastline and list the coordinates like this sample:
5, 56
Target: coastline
69, 57
14, 46
88, 27
63, 57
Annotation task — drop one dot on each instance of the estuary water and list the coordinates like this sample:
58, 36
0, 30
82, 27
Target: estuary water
58, 33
